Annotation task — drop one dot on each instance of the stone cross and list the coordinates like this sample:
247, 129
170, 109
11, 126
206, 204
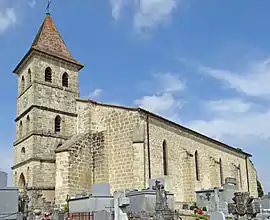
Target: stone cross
216, 197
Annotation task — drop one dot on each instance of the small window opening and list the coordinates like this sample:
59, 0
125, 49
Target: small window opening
197, 166
65, 80
29, 77
57, 124
22, 84
165, 162
48, 74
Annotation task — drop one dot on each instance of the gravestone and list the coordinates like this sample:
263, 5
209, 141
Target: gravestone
244, 207
217, 216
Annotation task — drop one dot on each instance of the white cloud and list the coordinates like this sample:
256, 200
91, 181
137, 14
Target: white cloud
117, 6
95, 94
7, 19
164, 104
228, 106
151, 13
252, 81
148, 13
169, 82
163, 99
32, 3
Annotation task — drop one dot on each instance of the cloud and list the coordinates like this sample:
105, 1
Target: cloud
95, 94
117, 6
169, 82
32, 3
151, 13
7, 19
163, 99
253, 80
228, 106
164, 104
147, 13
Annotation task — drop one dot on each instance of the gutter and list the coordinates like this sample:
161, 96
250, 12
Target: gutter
247, 172
148, 146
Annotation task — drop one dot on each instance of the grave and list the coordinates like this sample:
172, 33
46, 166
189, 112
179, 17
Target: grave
243, 207
217, 199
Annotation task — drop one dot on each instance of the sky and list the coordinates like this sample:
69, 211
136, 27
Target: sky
203, 64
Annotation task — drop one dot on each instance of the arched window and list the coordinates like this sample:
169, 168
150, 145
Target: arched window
20, 129
165, 162
21, 183
22, 84
27, 123
57, 124
23, 150
240, 175
48, 75
29, 77
65, 80
220, 171
197, 166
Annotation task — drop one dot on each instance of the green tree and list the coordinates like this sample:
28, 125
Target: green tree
259, 188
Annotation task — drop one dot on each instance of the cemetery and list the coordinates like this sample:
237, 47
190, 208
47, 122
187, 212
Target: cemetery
153, 203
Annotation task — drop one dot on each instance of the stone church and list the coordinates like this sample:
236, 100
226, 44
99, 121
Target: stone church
65, 143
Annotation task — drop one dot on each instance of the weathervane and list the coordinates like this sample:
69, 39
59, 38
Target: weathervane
48, 7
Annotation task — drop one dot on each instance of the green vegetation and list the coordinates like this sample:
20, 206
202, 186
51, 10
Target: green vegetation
259, 188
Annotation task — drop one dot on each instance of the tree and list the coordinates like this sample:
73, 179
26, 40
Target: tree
259, 188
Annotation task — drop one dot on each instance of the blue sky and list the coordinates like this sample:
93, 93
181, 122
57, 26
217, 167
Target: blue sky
204, 64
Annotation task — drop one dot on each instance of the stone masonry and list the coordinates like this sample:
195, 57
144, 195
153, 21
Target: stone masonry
64, 143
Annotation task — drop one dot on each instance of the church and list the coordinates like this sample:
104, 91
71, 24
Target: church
65, 143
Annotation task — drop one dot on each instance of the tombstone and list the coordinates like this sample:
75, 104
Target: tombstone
217, 216
120, 205
243, 207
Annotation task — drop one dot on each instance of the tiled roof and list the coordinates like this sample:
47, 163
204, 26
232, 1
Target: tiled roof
49, 40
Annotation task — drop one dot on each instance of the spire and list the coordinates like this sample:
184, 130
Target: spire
49, 41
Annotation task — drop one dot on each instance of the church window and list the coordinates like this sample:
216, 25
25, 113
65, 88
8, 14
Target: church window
48, 74
27, 123
29, 77
22, 183
65, 80
197, 166
20, 128
220, 171
57, 124
23, 151
165, 162
22, 83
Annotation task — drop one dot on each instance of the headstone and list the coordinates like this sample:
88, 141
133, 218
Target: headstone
217, 216
243, 207
120, 205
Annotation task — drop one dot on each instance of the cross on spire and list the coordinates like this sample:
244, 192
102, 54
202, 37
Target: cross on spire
48, 8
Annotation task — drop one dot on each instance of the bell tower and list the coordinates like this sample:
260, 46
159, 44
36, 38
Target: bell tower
46, 109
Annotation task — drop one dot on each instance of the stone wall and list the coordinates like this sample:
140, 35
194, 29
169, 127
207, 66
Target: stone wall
252, 173
119, 124
80, 165
181, 147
